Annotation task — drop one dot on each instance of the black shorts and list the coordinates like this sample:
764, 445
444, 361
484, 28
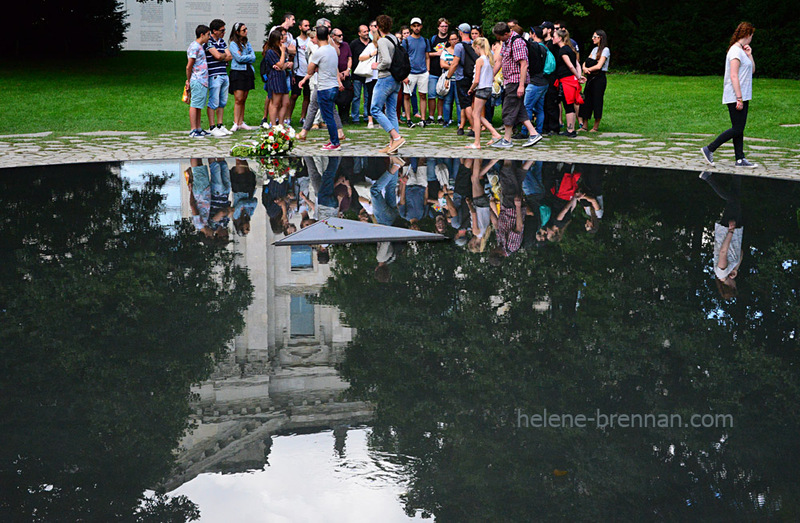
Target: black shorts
462, 88
296, 90
242, 80
483, 94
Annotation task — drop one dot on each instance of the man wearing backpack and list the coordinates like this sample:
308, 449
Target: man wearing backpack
388, 86
461, 70
552, 110
537, 88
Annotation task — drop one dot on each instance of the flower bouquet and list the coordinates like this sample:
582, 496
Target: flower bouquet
278, 169
275, 141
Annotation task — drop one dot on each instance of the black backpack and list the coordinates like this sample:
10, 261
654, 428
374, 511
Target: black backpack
470, 57
536, 56
263, 68
401, 65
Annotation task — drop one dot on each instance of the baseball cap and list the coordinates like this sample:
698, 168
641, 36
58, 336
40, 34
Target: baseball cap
538, 31
546, 25
464, 28
416, 20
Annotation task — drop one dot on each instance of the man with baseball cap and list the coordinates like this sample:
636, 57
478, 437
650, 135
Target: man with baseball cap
418, 49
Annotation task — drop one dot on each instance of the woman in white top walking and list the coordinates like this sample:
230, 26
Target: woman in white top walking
736, 93
482, 87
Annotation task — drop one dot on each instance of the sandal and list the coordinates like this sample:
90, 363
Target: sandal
592, 130
472, 146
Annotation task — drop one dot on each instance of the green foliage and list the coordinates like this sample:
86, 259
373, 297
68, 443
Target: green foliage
108, 318
626, 321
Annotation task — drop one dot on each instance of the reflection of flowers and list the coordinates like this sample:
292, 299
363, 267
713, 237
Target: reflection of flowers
279, 169
275, 141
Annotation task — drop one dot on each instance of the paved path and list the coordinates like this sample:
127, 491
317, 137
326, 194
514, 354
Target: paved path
679, 151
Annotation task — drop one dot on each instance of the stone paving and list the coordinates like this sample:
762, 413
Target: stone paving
677, 151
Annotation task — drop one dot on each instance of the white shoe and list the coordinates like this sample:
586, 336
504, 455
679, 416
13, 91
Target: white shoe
370, 126
234, 128
225, 130
217, 132
248, 127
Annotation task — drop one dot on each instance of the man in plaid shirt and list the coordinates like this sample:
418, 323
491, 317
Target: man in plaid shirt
514, 53
510, 223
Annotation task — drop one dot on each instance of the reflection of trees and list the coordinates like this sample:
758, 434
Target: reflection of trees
107, 319
626, 322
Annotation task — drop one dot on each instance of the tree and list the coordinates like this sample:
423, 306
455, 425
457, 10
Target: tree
623, 322
108, 318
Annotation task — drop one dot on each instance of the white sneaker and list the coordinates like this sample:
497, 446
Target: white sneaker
234, 128
247, 127
225, 130
217, 132
370, 126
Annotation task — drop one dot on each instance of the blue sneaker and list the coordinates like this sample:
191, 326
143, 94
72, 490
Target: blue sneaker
708, 155
744, 163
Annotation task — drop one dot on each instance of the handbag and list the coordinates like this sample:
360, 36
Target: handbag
364, 68
441, 88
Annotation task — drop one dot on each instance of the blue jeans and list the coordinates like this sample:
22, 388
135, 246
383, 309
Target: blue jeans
534, 104
532, 184
358, 86
218, 91
449, 98
220, 178
327, 106
325, 194
384, 197
385, 94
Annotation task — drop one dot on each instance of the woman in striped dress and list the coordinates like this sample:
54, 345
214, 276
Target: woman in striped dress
275, 79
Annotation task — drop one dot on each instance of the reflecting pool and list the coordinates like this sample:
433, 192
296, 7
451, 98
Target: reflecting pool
588, 343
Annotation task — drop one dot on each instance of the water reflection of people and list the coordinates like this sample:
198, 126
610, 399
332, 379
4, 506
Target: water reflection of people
479, 207
728, 232
509, 222
243, 185
383, 194
209, 187
414, 192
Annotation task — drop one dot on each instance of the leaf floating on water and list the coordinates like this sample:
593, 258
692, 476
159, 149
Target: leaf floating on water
559, 473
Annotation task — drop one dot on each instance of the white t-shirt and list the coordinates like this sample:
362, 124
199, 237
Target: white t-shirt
745, 76
734, 249
606, 53
327, 62
301, 60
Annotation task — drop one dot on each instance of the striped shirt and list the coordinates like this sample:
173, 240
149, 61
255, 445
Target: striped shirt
216, 67
513, 50
507, 236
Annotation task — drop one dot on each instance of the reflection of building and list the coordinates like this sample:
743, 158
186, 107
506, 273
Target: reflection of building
280, 371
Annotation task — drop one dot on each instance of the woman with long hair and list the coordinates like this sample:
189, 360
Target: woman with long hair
482, 87
448, 54
568, 78
384, 102
737, 91
275, 80
243, 78
594, 69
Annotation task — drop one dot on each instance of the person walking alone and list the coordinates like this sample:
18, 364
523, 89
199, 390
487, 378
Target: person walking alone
737, 92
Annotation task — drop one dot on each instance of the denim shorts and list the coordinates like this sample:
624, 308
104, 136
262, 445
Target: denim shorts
432, 81
199, 95
483, 94
218, 91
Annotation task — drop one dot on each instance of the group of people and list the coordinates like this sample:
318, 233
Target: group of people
532, 75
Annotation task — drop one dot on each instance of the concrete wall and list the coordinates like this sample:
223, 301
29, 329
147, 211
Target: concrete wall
169, 26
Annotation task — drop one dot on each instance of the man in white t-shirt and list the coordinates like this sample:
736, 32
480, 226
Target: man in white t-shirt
300, 69
325, 62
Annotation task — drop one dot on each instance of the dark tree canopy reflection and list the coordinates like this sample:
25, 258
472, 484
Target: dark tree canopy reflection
107, 319
626, 320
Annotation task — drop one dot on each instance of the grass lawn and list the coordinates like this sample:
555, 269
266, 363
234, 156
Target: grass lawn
141, 91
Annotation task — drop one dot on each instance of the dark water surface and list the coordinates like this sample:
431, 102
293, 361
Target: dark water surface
573, 358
